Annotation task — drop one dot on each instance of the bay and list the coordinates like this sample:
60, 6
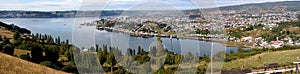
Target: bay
64, 28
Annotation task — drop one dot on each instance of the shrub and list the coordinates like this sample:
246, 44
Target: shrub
47, 63
37, 54
50, 64
9, 49
70, 68
52, 54
25, 57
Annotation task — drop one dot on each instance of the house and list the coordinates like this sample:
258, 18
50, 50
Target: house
247, 39
277, 44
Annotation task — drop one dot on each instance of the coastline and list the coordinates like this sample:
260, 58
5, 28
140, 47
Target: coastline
150, 35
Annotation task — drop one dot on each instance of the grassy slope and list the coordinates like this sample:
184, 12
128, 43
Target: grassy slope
6, 33
14, 65
284, 58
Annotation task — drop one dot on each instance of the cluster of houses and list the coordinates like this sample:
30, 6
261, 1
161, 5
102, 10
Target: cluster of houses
260, 42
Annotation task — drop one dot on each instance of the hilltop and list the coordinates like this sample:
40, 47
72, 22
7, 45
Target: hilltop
284, 5
14, 65
275, 6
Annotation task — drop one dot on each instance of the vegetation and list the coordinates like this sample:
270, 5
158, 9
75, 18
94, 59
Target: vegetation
203, 32
285, 59
47, 51
247, 53
14, 28
42, 49
107, 58
14, 65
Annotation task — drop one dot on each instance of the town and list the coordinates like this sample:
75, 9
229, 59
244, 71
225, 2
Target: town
232, 27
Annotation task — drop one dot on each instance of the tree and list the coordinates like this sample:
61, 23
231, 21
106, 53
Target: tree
37, 54
9, 49
105, 49
1, 47
97, 47
49, 40
101, 57
129, 52
111, 60
52, 54
57, 40
5, 41
67, 41
0, 38
16, 35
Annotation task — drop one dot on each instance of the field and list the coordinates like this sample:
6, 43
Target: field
6, 33
283, 58
19, 52
14, 65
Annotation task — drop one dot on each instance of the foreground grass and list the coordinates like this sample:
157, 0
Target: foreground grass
6, 33
14, 65
283, 58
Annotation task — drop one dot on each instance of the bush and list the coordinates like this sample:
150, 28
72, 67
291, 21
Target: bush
47, 63
70, 68
25, 57
37, 54
9, 49
50, 64
23, 46
51, 55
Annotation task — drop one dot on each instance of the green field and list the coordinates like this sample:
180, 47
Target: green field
256, 62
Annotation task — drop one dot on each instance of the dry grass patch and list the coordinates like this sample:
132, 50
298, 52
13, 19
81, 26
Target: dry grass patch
19, 52
6, 33
13, 65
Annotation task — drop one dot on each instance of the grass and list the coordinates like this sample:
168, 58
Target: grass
6, 33
14, 65
283, 58
19, 52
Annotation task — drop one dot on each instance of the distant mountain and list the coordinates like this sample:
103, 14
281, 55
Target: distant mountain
272, 6
284, 5
55, 14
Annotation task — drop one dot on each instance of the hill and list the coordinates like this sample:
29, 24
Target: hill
256, 62
284, 5
13, 65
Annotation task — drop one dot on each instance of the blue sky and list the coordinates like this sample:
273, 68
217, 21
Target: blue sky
60, 5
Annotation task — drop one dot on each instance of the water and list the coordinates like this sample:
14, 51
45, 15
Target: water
64, 27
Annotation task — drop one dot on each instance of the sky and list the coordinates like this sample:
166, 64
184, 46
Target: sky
64, 5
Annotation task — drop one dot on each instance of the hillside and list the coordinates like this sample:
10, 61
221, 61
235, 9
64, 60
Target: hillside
283, 58
13, 65
285, 5
282, 6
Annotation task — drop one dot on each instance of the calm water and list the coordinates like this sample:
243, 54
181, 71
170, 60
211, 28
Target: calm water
66, 27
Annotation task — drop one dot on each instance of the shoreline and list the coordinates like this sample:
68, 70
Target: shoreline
151, 35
